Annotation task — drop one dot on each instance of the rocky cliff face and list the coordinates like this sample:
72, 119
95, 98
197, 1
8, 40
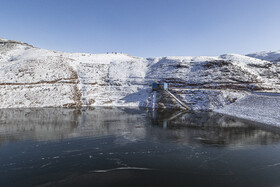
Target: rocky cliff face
33, 77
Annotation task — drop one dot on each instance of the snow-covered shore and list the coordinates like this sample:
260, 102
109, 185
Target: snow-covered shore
32, 77
257, 107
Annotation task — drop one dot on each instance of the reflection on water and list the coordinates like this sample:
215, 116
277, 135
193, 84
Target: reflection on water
131, 124
130, 147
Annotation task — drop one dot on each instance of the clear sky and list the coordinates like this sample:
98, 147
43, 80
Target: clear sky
146, 28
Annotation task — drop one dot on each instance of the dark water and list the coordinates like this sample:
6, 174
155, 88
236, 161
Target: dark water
128, 147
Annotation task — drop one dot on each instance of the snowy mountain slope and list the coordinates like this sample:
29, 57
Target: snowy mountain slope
272, 56
33, 77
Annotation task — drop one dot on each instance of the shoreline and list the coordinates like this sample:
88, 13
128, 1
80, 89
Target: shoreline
258, 107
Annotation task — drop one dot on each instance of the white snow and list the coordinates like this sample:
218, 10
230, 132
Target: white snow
272, 56
262, 108
33, 77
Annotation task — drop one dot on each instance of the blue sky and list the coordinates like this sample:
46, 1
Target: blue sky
145, 28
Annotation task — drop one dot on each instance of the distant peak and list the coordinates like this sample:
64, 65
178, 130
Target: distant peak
5, 41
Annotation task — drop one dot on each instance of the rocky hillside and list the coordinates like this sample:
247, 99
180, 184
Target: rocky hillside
33, 77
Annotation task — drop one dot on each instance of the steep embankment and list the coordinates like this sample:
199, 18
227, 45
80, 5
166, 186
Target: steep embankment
258, 107
33, 77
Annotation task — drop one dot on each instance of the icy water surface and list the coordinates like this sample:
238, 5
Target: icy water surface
129, 147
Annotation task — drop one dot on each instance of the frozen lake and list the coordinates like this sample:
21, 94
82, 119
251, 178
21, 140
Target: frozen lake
130, 147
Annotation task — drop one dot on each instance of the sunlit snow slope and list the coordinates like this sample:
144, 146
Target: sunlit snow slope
33, 77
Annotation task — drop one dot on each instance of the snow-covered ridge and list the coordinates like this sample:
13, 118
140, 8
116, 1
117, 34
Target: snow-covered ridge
33, 77
12, 42
272, 56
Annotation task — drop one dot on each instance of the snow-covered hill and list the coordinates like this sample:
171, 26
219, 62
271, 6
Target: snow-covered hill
33, 77
272, 56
